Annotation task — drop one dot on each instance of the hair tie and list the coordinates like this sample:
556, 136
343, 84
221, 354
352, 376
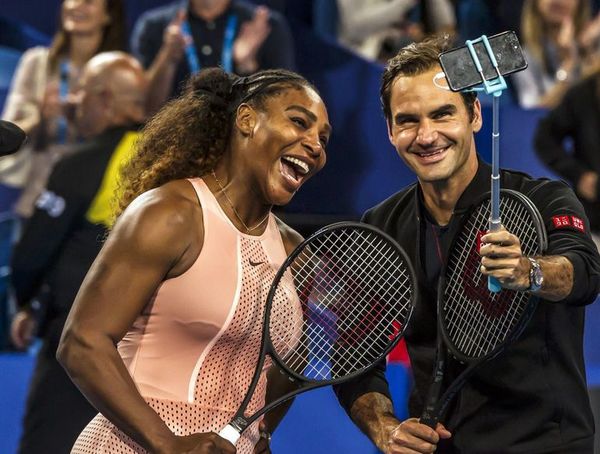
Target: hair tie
212, 97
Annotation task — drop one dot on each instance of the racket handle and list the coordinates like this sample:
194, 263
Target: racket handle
429, 420
493, 284
230, 434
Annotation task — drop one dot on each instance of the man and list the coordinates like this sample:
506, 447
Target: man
181, 38
63, 237
575, 121
533, 399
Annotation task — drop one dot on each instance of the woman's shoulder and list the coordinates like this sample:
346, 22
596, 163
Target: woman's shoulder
173, 205
291, 238
36, 53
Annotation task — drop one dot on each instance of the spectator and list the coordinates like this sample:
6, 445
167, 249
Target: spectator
376, 29
551, 32
488, 17
185, 36
64, 236
575, 121
40, 85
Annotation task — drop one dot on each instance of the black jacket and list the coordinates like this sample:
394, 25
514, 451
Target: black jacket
533, 399
576, 120
61, 240
277, 51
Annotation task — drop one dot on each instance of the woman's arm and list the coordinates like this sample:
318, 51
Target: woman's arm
22, 104
158, 237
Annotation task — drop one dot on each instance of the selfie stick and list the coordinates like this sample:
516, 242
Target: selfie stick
492, 87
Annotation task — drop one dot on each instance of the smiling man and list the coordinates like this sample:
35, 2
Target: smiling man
532, 399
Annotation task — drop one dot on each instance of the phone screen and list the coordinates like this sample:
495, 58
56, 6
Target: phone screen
461, 72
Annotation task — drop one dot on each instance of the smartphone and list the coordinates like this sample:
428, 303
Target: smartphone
460, 69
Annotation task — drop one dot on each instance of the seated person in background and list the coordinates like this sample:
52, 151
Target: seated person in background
551, 34
39, 88
377, 28
64, 236
183, 37
575, 121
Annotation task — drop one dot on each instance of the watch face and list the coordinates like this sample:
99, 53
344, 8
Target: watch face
538, 279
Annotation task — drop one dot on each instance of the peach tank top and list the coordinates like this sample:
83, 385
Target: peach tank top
193, 350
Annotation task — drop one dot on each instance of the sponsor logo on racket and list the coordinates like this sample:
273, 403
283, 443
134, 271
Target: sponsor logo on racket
475, 286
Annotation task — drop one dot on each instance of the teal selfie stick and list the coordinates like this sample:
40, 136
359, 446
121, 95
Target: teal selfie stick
493, 87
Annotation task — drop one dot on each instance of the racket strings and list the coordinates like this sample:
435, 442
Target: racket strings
362, 333
355, 292
476, 320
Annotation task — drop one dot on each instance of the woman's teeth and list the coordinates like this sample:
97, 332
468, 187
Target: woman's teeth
300, 166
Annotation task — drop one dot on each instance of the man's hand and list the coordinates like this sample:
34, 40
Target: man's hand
411, 437
251, 36
502, 258
174, 40
21, 329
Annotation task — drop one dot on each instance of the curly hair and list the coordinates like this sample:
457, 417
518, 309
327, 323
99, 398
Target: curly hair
188, 136
415, 59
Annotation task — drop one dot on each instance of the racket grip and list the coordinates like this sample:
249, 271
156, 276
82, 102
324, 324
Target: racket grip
429, 420
494, 285
230, 434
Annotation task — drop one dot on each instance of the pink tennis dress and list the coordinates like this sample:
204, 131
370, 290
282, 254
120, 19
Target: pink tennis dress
194, 348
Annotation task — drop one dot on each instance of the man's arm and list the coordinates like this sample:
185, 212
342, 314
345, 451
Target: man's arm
571, 268
278, 50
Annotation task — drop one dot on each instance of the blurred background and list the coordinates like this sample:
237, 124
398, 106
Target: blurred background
549, 126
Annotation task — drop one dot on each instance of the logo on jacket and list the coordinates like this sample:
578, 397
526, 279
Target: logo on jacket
51, 203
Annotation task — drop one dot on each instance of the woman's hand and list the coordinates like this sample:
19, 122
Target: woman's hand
263, 446
201, 443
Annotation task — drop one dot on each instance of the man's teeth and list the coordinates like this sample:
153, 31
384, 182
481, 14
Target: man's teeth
301, 166
431, 153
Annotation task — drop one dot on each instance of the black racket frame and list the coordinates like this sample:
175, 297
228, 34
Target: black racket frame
436, 405
239, 421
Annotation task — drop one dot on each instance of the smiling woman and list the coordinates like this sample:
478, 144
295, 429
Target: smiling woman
181, 283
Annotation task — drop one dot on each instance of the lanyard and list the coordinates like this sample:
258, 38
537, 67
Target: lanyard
191, 53
63, 91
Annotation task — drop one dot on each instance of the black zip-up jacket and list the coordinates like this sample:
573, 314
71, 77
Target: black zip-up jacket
60, 241
533, 399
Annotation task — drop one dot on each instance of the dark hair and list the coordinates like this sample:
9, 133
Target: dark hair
415, 59
113, 36
188, 136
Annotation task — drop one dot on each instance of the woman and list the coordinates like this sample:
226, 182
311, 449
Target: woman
43, 79
181, 282
551, 32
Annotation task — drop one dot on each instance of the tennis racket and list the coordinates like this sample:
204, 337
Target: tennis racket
474, 324
354, 291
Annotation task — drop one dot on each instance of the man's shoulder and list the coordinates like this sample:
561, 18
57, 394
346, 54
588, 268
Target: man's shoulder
161, 14
86, 158
527, 184
245, 11
379, 213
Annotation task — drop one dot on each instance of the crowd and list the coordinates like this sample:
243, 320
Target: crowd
199, 125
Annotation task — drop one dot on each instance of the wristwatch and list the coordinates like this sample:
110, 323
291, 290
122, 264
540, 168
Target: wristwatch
536, 277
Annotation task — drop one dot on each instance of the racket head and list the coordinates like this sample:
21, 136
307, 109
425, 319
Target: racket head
477, 324
353, 290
